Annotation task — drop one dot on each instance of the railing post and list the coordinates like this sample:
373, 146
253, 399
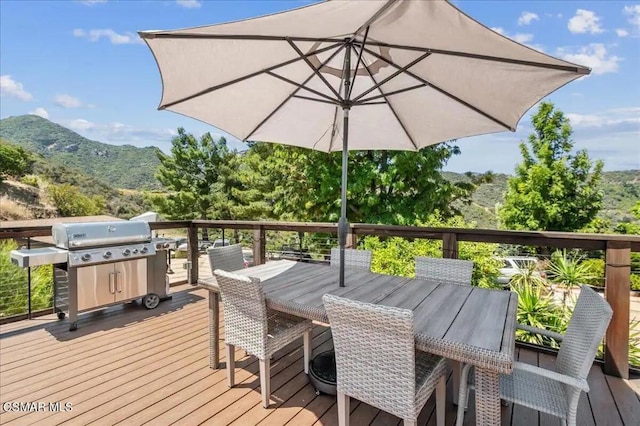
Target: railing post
616, 290
192, 254
450, 245
29, 283
352, 239
259, 245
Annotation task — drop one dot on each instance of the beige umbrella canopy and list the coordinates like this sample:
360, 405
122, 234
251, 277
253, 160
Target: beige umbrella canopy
354, 75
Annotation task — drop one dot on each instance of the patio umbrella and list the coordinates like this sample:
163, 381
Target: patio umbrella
354, 75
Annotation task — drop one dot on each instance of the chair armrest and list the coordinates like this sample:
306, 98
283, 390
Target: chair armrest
534, 330
568, 380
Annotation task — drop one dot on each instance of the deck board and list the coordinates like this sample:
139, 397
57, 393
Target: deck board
128, 365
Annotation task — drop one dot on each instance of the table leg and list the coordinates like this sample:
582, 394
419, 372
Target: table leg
487, 397
214, 330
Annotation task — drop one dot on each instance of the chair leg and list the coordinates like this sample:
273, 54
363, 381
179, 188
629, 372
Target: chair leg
231, 365
343, 409
463, 393
306, 338
455, 378
265, 381
441, 397
406, 422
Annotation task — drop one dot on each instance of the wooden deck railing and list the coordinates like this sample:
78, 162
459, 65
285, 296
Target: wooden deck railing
617, 248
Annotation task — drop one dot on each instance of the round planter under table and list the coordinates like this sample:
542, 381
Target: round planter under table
322, 372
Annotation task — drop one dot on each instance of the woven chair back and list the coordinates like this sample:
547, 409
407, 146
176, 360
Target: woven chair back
245, 312
454, 271
375, 353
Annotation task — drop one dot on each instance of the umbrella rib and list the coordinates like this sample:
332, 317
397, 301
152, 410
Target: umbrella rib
368, 100
392, 76
247, 76
393, 111
307, 98
373, 18
355, 74
444, 92
315, 70
292, 93
570, 68
302, 86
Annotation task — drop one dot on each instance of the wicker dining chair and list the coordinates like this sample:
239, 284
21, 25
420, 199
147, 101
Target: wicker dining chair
226, 258
377, 361
454, 271
260, 331
557, 391
353, 258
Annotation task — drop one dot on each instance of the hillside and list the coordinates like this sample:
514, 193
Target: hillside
621, 190
124, 166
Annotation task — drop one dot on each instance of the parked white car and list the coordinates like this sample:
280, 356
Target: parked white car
516, 264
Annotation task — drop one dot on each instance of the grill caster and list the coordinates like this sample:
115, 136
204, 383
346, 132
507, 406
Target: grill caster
61, 315
73, 326
151, 301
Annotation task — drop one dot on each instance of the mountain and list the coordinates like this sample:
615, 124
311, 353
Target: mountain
123, 166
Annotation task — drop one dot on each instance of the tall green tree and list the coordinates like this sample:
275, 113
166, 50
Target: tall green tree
553, 189
196, 173
392, 187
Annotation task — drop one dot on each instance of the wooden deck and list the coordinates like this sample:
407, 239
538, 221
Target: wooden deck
128, 365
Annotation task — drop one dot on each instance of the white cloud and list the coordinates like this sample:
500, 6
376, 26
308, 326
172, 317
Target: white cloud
634, 14
585, 21
594, 56
114, 37
189, 4
621, 32
67, 101
117, 133
527, 17
613, 117
14, 89
40, 112
91, 2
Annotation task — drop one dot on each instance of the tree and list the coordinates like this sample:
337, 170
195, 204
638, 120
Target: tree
552, 190
194, 173
69, 201
392, 187
14, 160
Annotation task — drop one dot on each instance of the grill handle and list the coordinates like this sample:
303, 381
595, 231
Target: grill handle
119, 282
112, 285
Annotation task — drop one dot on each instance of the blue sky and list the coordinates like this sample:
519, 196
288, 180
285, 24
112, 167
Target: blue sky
81, 64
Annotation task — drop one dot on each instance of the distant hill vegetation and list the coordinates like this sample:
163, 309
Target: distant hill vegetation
621, 191
125, 166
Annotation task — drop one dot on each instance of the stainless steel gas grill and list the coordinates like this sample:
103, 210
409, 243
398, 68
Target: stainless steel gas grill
100, 264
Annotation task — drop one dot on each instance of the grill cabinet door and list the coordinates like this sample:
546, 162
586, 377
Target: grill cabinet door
131, 279
96, 286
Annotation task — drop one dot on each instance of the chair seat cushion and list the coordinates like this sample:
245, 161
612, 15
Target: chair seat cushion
534, 391
429, 368
283, 329
531, 390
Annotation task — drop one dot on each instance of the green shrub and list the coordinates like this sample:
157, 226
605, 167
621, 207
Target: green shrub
635, 282
30, 180
69, 201
14, 280
596, 266
537, 308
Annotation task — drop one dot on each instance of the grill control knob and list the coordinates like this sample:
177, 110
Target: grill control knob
86, 257
135, 251
126, 252
144, 249
106, 254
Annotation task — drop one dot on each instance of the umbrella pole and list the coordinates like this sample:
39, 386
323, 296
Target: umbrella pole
343, 224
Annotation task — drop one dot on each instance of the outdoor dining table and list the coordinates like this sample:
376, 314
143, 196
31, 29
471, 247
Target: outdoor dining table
464, 323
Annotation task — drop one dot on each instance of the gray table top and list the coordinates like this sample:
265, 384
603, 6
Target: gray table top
464, 323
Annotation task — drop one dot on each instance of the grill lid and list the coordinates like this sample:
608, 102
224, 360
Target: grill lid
81, 235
